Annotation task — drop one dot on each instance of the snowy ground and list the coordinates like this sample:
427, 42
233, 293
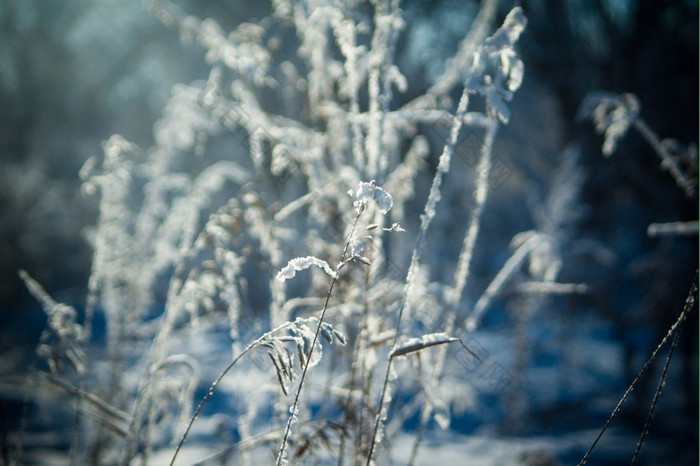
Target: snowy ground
568, 406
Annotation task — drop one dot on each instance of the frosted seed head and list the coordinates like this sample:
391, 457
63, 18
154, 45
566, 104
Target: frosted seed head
327, 332
368, 191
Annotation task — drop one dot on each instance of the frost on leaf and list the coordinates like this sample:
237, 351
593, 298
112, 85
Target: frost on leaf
426, 341
303, 263
368, 191
509, 33
281, 359
304, 337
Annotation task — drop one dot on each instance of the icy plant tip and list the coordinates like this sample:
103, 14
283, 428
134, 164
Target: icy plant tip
369, 191
303, 263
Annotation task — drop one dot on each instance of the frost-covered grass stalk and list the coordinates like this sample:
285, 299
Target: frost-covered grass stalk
690, 304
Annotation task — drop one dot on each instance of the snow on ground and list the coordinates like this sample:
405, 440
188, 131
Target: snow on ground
568, 406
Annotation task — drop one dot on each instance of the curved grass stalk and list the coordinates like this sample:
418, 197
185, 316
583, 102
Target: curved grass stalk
218, 380
509, 268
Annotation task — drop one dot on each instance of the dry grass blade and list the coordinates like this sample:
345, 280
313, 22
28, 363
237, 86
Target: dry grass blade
690, 304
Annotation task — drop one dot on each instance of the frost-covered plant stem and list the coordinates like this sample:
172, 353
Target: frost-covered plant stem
655, 400
282, 453
425, 412
90, 303
673, 228
357, 368
483, 171
71, 336
463, 265
511, 73
509, 268
426, 219
613, 114
452, 75
155, 355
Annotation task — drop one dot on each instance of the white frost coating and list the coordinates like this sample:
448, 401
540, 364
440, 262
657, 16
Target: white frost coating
513, 25
416, 344
304, 337
303, 263
498, 87
514, 69
294, 412
368, 191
